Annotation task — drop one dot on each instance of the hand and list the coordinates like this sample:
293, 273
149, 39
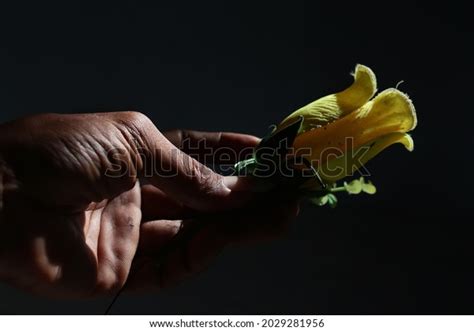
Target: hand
85, 199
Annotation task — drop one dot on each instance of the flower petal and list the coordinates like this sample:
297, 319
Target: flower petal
348, 164
391, 111
335, 106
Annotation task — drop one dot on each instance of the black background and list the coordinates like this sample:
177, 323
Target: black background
242, 66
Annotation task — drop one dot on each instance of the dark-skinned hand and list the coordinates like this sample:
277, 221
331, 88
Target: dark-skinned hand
91, 202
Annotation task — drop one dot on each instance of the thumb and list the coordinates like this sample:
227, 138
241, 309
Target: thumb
182, 177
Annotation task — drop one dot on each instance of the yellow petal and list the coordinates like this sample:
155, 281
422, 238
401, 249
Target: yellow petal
335, 106
391, 111
349, 163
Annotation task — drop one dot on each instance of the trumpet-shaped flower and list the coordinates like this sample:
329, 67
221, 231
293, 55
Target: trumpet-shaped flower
338, 127
337, 134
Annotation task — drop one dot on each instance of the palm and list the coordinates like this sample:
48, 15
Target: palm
69, 252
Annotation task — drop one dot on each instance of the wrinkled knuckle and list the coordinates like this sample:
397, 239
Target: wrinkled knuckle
136, 126
136, 118
207, 182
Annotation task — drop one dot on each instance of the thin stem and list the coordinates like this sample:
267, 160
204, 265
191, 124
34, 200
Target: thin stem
338, 189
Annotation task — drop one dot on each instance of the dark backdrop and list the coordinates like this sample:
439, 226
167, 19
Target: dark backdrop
242, 66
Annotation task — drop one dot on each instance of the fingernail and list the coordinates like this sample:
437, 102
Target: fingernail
230, 182
247, 184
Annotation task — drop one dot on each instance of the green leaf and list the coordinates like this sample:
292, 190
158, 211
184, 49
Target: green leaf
320, 201
353, 187
357, 186
332, 200
369, 188
328, 199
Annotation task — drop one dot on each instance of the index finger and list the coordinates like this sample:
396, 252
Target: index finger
213, 147
177, 174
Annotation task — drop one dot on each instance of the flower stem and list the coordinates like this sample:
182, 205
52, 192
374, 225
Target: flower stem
337, 189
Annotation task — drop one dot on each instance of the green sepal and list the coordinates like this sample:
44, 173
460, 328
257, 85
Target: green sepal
271, 152
328, 199
278, 138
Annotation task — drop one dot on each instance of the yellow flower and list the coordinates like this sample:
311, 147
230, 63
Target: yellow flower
341, 126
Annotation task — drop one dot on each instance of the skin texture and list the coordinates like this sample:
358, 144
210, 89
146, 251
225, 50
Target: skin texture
82, 214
